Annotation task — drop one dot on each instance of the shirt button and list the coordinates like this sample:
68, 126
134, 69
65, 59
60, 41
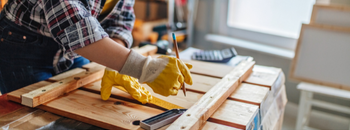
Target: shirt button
24, 37
10, 33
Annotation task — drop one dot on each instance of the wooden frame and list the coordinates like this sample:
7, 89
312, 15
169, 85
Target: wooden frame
334, 15
295, 62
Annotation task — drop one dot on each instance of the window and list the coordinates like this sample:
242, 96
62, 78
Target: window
268, 22
276, 17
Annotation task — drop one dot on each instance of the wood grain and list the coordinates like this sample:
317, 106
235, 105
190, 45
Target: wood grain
263, 76
7, 106
37, 121
196, 116
202, 84
67, 74
209, 69
16, 95
249, 93
235, 114
89, 108
54, 90
208, 126
179, 100
15, 115
215, 126
27, 118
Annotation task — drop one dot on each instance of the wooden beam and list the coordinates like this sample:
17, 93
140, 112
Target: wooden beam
196, 116
16, 95
54, 90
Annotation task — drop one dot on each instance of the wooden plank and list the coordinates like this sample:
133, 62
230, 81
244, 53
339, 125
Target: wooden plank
27, 118
251, 94
263, 76
247, 93
206, 68
7, 106
209, 126
69, 124
202, 84
15, 115
179, 100
93, 66
67, 74
37, 121
236, 114
89, 108
216, 126
54, 90
196, 116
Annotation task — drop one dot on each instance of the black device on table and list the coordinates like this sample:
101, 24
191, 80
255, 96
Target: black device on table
220, 56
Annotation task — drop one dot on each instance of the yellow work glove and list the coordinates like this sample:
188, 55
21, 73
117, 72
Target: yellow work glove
164, 74
134, 88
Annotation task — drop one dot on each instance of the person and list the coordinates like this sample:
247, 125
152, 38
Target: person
42, 38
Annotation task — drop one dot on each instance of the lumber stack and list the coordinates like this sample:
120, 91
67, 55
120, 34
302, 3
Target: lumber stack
239, 99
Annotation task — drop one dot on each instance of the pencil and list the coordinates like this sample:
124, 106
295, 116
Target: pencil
177, 56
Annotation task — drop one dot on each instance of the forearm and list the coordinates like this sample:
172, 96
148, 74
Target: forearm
107, 52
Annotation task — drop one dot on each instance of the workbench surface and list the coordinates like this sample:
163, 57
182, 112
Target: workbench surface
257, 103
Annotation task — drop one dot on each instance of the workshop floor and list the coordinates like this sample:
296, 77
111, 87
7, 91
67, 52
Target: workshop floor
318, 120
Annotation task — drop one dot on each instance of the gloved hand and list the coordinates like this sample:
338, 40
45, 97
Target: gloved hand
165, 74
131, 85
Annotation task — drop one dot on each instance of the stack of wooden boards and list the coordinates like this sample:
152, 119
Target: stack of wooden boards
255, 100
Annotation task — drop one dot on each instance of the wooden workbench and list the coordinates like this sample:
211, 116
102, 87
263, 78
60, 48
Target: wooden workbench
257, 103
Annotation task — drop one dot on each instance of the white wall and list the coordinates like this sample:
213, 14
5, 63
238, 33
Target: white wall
203, 25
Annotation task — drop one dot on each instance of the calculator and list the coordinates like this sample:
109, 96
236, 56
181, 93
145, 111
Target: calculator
221, 56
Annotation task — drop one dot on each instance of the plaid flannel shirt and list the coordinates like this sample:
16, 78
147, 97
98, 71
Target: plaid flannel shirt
73, 24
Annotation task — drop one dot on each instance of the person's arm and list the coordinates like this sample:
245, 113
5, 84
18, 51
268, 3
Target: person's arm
106, 52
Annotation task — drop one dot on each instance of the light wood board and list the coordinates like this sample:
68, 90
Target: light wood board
180, 99
209, 69
263, 76
321, 56
89, 108
235, 114
16, 95
249, 93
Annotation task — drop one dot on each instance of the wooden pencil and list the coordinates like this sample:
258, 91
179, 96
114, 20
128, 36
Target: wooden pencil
177, 56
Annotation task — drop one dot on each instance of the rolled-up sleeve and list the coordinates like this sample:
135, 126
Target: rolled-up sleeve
120, 21
71, 24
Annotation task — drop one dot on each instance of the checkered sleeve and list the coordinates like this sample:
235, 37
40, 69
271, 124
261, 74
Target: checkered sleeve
72, 25
120, 21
